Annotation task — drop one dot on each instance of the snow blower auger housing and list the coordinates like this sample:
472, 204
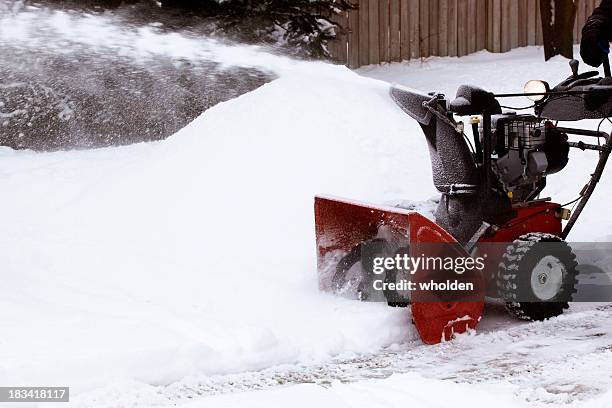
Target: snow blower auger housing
490, 214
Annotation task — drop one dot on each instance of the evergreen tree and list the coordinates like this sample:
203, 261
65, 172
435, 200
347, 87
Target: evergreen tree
307, 24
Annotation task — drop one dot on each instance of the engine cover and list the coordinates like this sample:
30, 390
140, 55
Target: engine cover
527, 149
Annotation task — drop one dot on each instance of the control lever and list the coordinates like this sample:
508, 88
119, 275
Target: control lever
574, 66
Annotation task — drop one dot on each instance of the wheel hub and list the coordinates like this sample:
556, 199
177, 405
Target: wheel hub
547, 277
542, 278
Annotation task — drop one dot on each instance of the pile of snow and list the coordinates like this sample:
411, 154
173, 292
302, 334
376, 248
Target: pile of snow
196, 255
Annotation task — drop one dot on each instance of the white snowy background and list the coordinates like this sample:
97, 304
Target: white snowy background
183, 271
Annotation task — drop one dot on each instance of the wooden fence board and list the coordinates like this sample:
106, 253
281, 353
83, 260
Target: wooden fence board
497, 30
443, 28
383, 30
414, 19
394, 30
462, 29
405, 30
341, 46
481, 28
364, 32
489, 44
424, 27
452, 28
514, 23
522, 23
505, 25
434, 29
531, 22
373, 30
353, 39
345, 37
472, 22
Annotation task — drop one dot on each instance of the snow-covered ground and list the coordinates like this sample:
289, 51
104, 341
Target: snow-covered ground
156, 273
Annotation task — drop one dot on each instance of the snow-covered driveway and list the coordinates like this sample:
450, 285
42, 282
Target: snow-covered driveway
565, 361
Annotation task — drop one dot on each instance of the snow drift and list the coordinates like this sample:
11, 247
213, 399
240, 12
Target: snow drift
196, 254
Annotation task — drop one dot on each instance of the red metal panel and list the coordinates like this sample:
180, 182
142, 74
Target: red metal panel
440, 320
537, 217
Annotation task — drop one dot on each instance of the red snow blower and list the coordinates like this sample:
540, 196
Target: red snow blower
490, 215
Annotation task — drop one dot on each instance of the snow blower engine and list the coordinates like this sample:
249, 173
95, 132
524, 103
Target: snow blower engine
493, 235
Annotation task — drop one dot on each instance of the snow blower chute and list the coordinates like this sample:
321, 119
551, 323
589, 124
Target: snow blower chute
490, 216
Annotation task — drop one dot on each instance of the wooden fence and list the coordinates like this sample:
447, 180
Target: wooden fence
396, 30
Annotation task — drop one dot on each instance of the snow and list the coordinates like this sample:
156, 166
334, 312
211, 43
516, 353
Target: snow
32, 27
562, 362
397, 391
127, 270
196, 255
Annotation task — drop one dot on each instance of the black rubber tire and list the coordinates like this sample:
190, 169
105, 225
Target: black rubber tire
514, 276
